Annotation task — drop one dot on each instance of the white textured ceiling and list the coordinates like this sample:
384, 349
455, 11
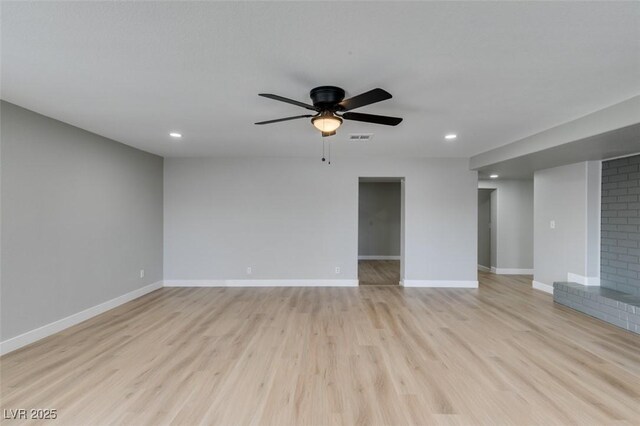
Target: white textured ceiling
491, 72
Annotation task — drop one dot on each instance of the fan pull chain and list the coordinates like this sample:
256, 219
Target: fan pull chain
329, 143
323, 159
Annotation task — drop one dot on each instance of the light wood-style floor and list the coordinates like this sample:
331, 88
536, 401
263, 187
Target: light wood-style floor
379, 272
502, 354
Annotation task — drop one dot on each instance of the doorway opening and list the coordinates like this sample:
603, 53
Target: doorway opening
487, 199
380, 231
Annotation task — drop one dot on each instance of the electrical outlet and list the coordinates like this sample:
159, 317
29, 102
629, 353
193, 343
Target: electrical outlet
552, 224
249, 271
337, 269
141, 273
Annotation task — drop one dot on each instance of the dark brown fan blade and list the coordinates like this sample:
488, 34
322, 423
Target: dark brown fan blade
325, 134
287, 100
283, 119
366, 98
370, 118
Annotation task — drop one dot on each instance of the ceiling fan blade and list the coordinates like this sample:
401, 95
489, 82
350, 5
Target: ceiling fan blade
366, 98
371, 118
284, 119
325, 134
287, 100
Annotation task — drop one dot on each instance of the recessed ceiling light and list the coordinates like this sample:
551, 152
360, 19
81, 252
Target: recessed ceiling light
175, 135
451, 136
493, 176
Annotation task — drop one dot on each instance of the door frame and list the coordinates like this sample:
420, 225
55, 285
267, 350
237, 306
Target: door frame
374, 179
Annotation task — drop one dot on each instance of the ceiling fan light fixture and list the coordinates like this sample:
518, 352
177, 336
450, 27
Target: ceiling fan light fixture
326, 122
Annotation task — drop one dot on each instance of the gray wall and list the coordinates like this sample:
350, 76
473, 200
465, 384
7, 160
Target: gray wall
484, 227
620, 250
379, 219
297, 218
81, 215
513, 224
563, 195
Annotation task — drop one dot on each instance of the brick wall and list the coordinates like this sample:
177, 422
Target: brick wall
602, 303
620, 245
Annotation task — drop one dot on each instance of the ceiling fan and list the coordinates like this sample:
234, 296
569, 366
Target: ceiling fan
331, 108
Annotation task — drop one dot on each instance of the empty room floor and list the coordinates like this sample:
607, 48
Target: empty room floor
501, 354
379, 272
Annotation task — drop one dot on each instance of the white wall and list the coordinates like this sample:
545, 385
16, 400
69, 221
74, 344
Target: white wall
513, 223
567, 195
81, 215
379, 219
297, 218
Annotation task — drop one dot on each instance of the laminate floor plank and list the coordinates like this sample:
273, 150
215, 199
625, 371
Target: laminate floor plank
379, 272
500, 354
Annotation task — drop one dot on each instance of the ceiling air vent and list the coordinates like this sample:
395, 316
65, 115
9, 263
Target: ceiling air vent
360, 136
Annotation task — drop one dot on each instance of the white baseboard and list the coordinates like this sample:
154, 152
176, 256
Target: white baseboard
193, 283
484, 268
378, 257
440, 283
261, 283
493, 270
542, 286
580, 279
29, 337
513, 271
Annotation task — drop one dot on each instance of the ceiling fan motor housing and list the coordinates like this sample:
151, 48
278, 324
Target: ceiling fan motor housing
327, 97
